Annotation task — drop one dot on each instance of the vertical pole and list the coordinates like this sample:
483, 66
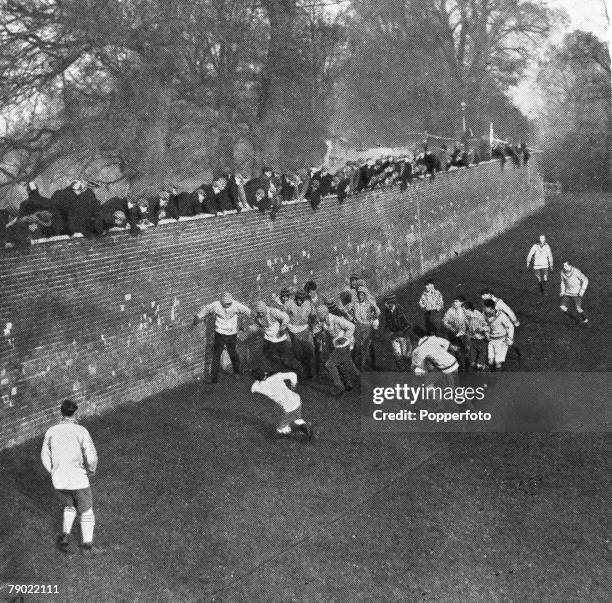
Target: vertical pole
420, 227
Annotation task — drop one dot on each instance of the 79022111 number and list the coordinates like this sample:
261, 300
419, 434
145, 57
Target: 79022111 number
33, 589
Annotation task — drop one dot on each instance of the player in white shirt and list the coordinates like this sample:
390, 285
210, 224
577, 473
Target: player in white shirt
500, 334
432, 354
226, 312
573, 286
274, 386
69, 455
500, 305
542, 257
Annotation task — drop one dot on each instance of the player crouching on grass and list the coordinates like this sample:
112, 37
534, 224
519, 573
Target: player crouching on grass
432, 354
274, 386
69, 455
573, 285
500, 334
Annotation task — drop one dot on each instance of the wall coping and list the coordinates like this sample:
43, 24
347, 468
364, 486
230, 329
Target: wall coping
125, 231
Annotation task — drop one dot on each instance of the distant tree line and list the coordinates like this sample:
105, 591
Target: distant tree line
576, 120
164, 89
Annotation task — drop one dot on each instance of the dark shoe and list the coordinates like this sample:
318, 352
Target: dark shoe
211, 381
89, 550
63, 542
337, 392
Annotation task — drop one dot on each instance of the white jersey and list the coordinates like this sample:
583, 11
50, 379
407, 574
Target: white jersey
573, 283
502, 306
275, 388
434, 349
226, 319
541, 255
68, 454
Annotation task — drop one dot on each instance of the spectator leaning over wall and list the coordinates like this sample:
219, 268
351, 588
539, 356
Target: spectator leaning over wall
78, 207
226, 312
164, 207
37, 203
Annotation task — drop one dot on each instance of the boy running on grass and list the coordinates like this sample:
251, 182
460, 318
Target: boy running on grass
69, 455
274, 386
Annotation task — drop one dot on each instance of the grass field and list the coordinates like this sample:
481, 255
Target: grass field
196, 501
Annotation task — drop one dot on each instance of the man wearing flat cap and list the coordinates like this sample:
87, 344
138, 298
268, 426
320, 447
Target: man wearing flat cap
226, 312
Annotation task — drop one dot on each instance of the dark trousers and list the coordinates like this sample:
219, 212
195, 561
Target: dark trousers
304, 350
280, 356
433, 322
340, 360
319, 351
362, 352
219, 343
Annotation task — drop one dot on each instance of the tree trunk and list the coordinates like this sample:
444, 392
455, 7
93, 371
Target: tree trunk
276, 80
152, 168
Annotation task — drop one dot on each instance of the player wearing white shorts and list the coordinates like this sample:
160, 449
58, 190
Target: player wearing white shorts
432, 354
573, 286
541, 255
274, 386
500, 335
69, 455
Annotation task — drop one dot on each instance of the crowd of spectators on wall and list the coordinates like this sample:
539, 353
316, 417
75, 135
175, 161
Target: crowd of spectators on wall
76, 209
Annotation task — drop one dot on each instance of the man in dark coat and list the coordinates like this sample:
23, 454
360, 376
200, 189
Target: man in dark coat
36, 203
78, 207
117, 212
163, 207
191, 204
406, 173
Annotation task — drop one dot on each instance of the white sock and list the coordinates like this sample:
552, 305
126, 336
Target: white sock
69, 517
299, 422
284, 430
87, 526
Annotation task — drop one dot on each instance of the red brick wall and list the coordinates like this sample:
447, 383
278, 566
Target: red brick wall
108, 321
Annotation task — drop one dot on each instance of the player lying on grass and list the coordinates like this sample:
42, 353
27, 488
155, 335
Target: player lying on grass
69, 455
274, 386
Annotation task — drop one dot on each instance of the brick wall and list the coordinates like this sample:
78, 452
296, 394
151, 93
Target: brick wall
109, 321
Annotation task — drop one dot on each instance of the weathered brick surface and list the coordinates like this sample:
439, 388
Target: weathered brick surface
108, 321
